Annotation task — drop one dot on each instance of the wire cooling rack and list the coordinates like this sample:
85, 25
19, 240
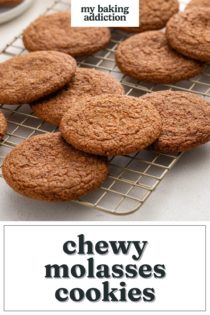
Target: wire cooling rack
132, 178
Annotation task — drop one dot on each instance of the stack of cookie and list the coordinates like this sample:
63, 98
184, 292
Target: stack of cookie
104, 121
95, 119
46, 167
70, 163
167, 122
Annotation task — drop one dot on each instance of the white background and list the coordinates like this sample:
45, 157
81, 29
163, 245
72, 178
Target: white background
132, 19
182, 195
180, 248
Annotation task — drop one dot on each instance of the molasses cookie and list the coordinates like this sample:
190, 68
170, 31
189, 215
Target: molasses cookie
27, 78
111, 125
3, 125
198, 3
154, 14
188, 33
147, 56
54, 32
10, 2
87, 82
185, 120
45, 167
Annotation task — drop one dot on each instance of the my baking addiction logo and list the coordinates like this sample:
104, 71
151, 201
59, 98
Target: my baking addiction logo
92, 281
96, 13
105, 13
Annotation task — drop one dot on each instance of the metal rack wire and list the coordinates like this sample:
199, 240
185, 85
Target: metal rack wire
132, 178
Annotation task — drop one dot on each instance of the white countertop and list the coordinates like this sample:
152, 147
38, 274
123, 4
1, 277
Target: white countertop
184, 194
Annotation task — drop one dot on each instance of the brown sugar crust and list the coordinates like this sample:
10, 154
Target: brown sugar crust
148, 57
188, 33
3, 125
10, 2
185, 120
27, 78
54, 32
87, 82
45, 167
111, 125
200, 3
154, 14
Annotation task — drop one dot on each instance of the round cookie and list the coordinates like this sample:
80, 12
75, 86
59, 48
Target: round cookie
185, 120
154, 14
147, 56
54, 32
198, 3
10, 2
3, 125
27, 78
45, 167
87, 82
188, 32
111, 125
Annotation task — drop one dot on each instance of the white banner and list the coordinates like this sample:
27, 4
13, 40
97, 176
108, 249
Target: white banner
96, 13
104, 268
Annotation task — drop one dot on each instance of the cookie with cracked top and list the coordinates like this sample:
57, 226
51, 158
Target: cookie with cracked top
198, 3
185, 120
87, 82
54, 32
147, 56
111, 125
188, 33
154, 14
27, 78
45, 167
3, 125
